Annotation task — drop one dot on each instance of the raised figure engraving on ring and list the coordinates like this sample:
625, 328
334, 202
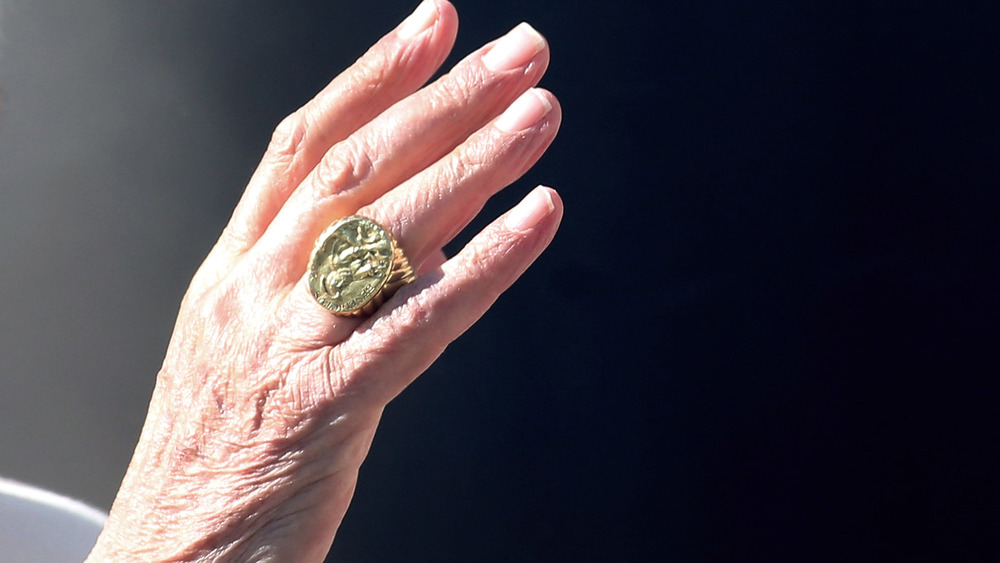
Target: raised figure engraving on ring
355, 266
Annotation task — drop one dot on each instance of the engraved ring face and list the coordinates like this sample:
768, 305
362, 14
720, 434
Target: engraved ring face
350, 264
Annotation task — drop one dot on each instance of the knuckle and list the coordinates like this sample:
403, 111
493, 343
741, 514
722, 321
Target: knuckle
481, 259
460, 85
345, 374
396, 345
473, 159
381, 67
234, 236
367, 74
415, 318
288, 137
349, 165
484, 254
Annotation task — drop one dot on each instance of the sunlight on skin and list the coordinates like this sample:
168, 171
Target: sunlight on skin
266, 403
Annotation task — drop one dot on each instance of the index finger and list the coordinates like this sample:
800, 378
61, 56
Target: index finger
396, 66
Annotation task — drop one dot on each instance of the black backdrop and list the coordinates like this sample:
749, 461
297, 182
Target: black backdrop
766, 329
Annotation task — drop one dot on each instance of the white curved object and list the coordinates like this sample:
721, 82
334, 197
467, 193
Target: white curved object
43, 527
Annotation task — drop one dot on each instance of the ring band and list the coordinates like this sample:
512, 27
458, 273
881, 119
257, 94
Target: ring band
356, 266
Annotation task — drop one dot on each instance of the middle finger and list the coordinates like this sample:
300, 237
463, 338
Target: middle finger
401, 142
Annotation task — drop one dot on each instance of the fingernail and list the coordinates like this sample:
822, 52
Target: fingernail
526, 111
533, 208
515, 49
422, 18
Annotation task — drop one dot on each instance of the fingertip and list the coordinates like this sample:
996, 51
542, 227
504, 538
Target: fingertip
546, 228
554, 197
550, 98
434, 18
447, 20
515, 49
556, 215
538, 205
524, 112
423, 18
553, 120
447, 10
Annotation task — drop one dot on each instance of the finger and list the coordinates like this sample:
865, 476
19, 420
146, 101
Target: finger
403, 140
430, 209
390, 350
427, 211
393, 68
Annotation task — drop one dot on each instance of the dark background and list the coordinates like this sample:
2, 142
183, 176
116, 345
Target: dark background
765, 332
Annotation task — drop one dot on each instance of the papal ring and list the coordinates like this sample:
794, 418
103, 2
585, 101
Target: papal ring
356, 266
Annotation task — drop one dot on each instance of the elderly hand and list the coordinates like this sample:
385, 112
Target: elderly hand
266, 403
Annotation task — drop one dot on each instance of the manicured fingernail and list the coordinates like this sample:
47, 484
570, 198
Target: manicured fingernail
526, 111
422, 18
533, 208
515, 49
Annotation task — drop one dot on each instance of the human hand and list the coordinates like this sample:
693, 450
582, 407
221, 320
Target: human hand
266, 403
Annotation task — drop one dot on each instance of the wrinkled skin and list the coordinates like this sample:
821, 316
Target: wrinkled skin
266, 403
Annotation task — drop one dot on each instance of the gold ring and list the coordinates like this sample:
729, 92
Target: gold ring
356, 266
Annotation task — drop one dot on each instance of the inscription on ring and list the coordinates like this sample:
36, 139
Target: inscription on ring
350, 264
